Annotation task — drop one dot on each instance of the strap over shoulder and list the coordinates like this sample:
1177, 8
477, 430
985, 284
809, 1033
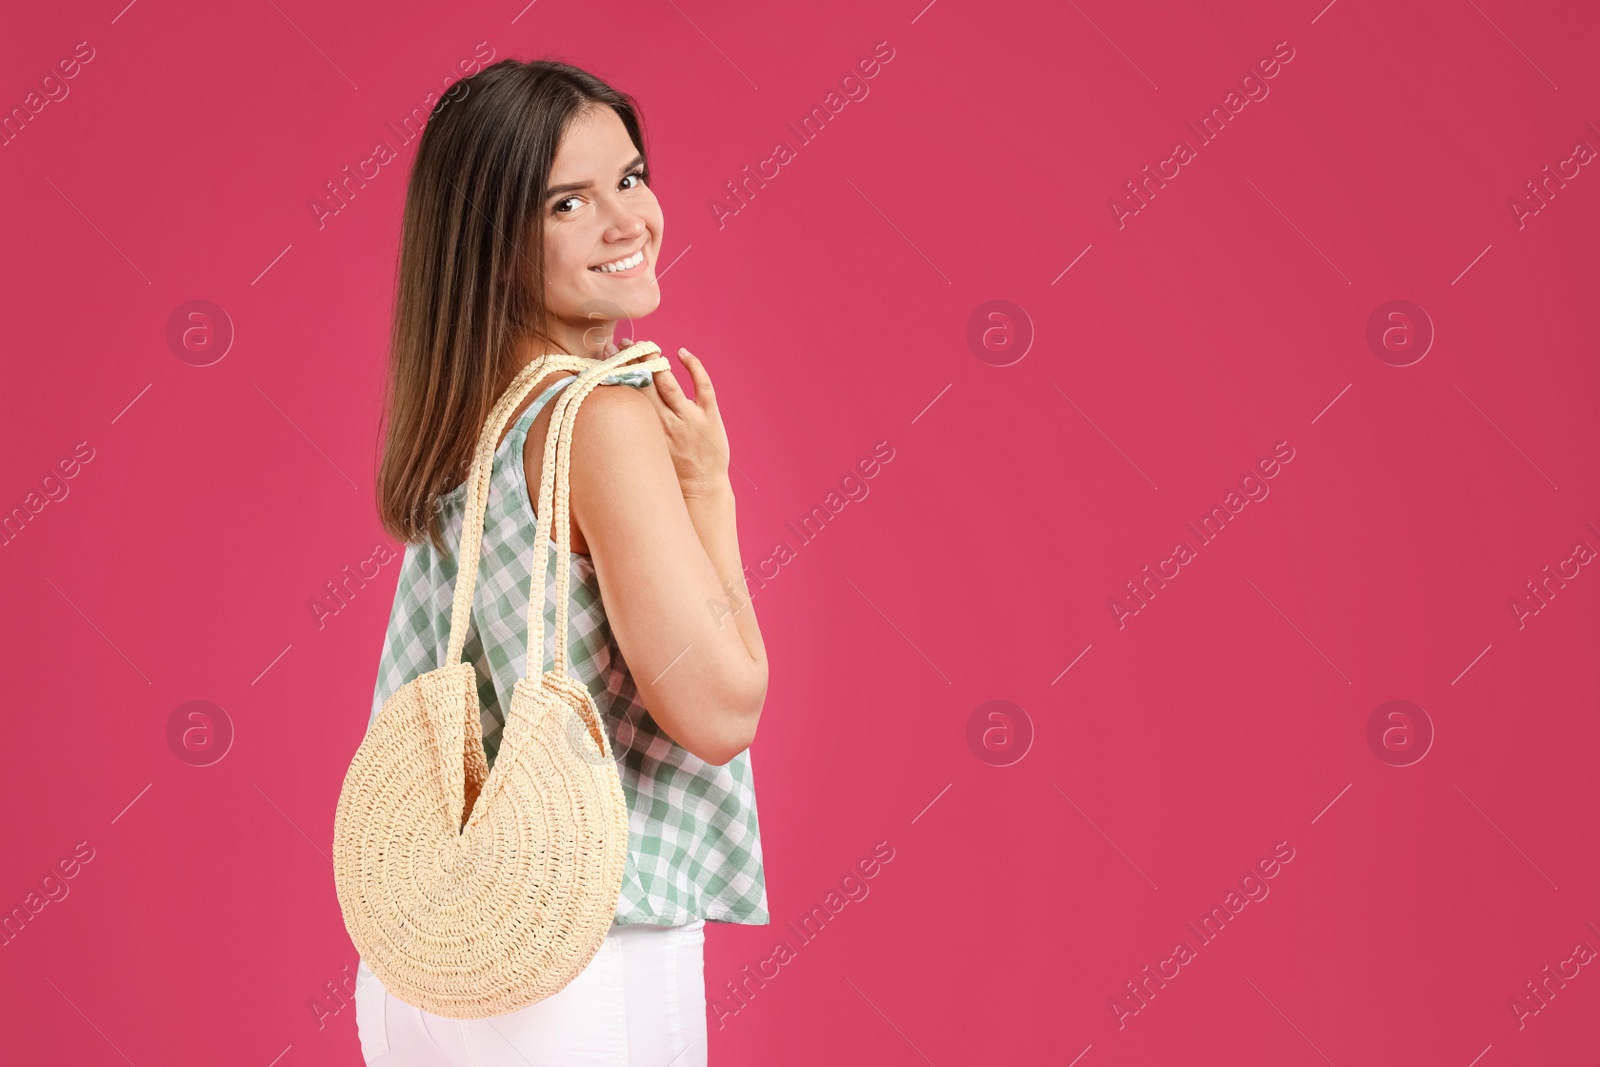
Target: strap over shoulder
554, 485
590, 373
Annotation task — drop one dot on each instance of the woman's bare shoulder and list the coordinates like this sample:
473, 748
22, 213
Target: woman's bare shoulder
616, 417
619, 461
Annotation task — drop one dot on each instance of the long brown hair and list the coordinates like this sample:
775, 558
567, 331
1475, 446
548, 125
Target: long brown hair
471, 272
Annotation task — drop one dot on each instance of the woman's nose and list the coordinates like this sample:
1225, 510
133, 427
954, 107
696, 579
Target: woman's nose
625, 223
625, 231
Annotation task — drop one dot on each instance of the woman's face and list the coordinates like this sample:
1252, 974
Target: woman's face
599, 213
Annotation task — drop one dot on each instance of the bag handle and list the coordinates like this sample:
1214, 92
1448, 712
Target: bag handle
470, 546
554, 481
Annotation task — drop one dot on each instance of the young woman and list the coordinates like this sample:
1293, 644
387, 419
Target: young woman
530, 227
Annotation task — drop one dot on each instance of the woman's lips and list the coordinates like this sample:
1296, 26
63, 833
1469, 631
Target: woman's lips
644, 261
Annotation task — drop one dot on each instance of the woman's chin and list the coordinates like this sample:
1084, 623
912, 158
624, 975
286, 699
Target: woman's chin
635, 300
625, 304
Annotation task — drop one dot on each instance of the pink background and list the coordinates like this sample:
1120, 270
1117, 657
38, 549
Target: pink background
1229, 714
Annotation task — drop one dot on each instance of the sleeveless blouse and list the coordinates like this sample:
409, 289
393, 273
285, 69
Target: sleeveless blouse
694, 847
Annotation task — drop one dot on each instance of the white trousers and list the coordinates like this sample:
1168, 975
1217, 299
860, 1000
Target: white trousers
641, 1002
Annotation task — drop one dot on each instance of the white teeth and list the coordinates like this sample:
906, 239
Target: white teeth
621, 264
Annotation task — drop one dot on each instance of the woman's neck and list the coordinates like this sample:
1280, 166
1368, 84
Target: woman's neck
590, 342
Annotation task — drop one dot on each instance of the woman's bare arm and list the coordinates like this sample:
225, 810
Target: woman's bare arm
662, 562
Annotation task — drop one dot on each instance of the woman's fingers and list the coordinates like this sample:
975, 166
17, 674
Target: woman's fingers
704, 395
664, 413
671, 393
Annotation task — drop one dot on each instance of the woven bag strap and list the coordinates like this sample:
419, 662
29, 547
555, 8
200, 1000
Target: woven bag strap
553, 482
479, 477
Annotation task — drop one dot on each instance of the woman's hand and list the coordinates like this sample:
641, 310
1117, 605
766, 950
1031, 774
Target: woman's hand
695, 434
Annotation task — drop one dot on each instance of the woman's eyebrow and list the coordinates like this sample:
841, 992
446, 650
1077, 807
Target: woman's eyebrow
572, 187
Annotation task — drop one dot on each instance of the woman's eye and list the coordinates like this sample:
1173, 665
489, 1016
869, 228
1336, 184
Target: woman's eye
638, 177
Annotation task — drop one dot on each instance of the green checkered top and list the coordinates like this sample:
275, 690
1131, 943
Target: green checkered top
694, 848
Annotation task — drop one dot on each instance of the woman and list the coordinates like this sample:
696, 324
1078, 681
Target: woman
530, 228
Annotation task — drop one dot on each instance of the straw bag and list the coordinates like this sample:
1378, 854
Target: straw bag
470, 891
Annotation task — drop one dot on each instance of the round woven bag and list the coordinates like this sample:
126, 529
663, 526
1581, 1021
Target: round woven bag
469, 891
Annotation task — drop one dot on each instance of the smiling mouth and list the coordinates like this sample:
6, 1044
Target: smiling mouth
618, 266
